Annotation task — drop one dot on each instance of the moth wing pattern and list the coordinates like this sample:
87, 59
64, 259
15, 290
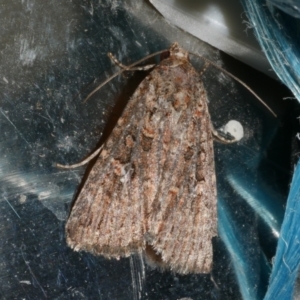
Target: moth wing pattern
109, 198
148, 191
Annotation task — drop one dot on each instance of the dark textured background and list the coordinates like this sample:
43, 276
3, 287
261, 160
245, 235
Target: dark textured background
52, 55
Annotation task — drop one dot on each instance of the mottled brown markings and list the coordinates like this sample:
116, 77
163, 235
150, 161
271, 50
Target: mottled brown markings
153, 186
129, 141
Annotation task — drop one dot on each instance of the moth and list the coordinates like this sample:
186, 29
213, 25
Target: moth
153, 186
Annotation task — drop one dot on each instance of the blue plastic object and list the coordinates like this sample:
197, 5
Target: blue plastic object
276, 27
277, 33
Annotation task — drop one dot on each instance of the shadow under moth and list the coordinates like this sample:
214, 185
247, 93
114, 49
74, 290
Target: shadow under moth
153, 186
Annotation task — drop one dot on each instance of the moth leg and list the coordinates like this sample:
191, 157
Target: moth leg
126, 68
222, 137
82, 163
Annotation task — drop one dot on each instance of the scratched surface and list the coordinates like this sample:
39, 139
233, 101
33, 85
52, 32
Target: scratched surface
52, 55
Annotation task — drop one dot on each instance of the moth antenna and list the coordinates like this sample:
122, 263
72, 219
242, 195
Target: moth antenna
238, 80
115, 61
124, 68
206, 65
82, 163
128, 68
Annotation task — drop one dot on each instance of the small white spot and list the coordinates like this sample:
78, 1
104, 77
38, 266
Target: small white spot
22, 199
25, 282
138, 43
44, 195
5, 80
235, 128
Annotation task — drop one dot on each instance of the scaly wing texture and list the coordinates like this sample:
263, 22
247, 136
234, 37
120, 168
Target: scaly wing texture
154, 181
182, 216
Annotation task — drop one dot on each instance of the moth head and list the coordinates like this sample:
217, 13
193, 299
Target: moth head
178, 52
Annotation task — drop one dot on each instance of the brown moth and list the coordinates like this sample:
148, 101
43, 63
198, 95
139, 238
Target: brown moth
153, 187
